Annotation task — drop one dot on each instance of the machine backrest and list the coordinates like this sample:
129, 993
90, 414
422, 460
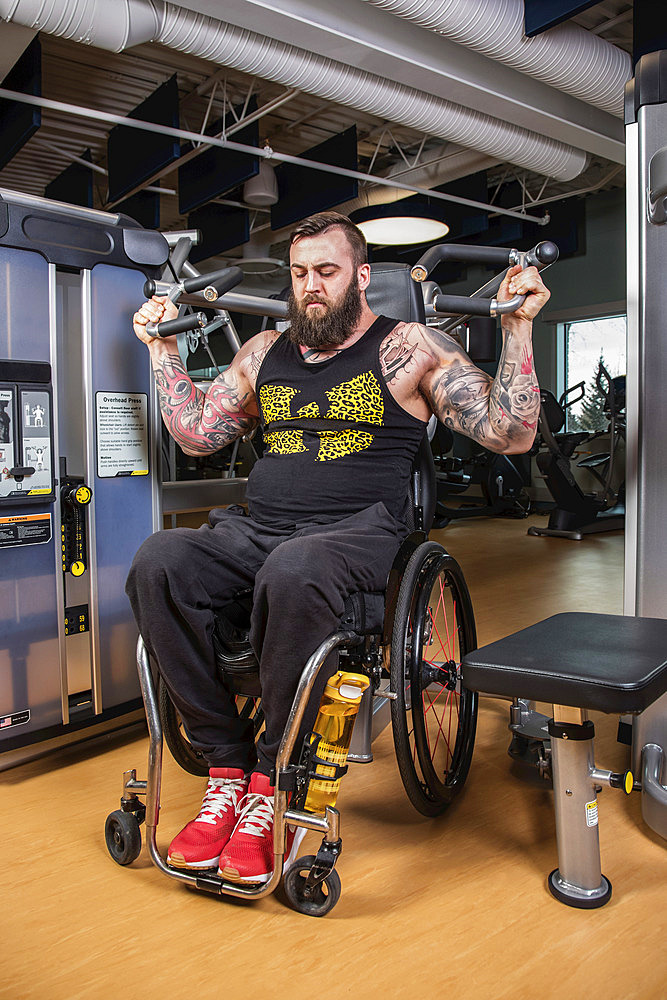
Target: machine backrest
393, 293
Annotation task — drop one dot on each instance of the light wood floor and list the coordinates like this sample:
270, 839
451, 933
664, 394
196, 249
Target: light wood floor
455, 907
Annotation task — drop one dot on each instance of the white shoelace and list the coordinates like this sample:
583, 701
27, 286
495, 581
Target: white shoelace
256, 816
221, 794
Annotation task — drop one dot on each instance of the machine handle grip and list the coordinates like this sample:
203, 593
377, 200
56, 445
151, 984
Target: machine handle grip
462, 305
465, 305
463, 252
222, 281
173, 326
215, 284
540, 256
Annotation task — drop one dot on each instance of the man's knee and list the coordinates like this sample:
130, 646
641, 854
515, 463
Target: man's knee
294, 564
158, 557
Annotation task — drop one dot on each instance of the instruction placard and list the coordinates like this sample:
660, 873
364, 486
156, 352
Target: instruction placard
122, 434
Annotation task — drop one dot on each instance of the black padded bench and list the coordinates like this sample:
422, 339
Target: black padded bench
577, 662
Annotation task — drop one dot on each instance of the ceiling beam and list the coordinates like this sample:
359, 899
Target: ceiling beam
374, 40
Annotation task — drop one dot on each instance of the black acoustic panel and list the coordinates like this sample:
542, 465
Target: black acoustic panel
74, 185
18, 122
303, 191
135, 156
221, 227
216, 170
542, 14
143, 207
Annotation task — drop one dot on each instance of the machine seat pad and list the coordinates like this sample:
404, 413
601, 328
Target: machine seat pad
607, 663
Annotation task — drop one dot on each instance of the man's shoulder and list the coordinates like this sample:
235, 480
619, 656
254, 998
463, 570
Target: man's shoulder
253, 352
410, 350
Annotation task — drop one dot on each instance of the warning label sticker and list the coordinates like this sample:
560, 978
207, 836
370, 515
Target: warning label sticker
122, 434
25, 529
16, 719
592, 813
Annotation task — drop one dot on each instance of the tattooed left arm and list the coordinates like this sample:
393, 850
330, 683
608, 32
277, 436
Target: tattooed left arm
499, 413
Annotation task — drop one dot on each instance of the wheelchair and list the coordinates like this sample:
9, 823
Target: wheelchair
409, 640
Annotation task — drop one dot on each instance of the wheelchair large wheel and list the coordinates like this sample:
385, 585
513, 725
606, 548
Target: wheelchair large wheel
177, 739
433, 716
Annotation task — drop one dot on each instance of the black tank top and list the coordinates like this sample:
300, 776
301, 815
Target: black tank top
337, 441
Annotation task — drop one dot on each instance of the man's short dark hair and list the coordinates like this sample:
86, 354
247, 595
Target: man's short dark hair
320, 223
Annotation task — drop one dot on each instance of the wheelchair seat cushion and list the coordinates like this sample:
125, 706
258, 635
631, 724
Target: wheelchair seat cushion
608, 663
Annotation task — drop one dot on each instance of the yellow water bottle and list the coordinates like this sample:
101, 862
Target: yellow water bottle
334, 724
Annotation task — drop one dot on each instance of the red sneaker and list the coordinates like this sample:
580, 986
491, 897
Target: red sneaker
248, 856
199, 844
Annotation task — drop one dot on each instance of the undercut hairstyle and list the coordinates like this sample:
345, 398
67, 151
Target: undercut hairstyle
320, 223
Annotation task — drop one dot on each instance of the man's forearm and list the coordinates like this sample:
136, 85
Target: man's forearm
200, 423
500, 414
514, 401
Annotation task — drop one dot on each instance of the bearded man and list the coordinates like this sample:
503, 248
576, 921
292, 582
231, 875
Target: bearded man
343, 398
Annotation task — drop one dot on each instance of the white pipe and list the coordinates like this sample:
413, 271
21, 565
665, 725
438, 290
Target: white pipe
109, 24
102, 23
566, 57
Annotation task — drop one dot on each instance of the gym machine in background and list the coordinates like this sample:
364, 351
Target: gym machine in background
78, 489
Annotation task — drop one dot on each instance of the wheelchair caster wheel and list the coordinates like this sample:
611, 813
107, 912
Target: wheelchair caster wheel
123, 837
324, 896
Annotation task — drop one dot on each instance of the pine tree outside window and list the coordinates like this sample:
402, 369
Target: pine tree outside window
587, 343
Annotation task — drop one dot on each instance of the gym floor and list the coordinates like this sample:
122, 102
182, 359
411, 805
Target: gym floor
456, 906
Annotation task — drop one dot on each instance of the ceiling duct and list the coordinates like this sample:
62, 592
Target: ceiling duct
566, 57
227, 45
114, 26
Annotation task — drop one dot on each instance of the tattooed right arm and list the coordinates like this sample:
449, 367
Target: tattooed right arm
200, 422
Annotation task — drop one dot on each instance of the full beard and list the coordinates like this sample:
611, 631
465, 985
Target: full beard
328, 328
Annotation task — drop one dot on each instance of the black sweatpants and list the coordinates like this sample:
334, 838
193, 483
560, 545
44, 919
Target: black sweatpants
302, 575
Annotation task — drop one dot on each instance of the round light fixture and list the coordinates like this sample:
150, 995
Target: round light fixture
399, 224
259, 265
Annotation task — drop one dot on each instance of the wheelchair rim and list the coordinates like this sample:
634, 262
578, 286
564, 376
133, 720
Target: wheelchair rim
443, 711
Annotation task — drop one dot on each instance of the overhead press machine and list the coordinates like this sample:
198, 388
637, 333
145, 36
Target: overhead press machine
79, 478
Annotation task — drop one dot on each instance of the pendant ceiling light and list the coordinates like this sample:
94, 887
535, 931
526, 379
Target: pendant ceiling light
399, 224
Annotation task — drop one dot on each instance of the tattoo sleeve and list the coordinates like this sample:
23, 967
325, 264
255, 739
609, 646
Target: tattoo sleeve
199, 422
499, 413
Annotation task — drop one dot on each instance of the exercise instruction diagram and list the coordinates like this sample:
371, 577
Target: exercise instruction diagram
34, 414
122, 434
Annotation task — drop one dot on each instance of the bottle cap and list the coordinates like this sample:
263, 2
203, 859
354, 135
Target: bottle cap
347, 686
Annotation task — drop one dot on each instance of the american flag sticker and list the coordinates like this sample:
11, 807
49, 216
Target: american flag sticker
17, 719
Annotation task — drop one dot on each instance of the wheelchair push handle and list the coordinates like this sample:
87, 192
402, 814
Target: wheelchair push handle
193, 321
214, 284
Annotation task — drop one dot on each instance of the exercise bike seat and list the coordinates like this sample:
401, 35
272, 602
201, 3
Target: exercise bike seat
605, 663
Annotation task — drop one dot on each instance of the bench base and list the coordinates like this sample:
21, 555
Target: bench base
574, 895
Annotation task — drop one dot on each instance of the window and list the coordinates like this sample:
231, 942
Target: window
587, 343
